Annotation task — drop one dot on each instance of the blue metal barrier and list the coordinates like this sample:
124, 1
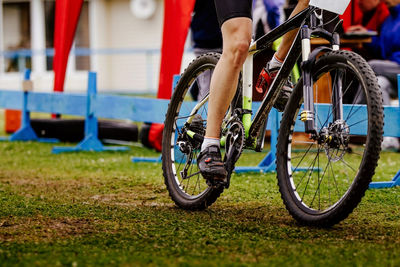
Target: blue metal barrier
25, 132
267, 164
90, 141
392, 128
139, 109
175, 81
89, 105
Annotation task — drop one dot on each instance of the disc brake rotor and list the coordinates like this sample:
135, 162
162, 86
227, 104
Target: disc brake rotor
336, 140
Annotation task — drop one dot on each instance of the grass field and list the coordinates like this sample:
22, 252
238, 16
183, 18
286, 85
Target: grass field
101, 209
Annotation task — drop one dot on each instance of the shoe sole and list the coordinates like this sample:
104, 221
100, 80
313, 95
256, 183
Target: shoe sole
215, 178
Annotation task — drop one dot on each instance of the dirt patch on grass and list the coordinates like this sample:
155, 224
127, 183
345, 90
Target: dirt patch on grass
131, 200
85, 190
35, 186
42, 228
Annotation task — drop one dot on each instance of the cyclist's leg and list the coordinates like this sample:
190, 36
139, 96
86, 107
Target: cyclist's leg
236, 34
235, 20
269, 73
288, 38
236, 26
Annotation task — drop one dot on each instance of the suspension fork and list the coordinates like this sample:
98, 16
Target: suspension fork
308, 59
307, 115
337, 94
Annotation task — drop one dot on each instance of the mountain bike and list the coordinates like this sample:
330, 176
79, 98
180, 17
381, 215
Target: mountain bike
327, 149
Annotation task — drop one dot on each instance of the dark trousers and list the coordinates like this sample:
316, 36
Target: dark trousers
386, 71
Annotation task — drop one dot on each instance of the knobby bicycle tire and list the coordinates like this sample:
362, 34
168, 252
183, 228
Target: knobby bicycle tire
179, 192
293, 184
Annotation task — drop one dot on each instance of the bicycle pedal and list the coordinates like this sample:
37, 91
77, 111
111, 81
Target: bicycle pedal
218, 183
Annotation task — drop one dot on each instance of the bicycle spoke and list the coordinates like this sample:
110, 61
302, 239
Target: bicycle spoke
348, 87
191, 175
334, 179
358, 154
352, 113
303, 142
320, 178
198, 175
303, 157
357, 123
355, 98
348, 165
309, 177
178, 169
319, 183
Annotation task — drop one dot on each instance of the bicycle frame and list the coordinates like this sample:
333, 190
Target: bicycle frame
322, 175
301, 44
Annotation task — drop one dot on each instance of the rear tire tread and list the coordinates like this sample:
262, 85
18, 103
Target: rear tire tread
212, 195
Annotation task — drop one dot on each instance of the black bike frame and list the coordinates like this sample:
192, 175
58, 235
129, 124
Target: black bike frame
296, 22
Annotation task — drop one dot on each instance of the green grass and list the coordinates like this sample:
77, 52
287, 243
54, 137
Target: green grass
101, 209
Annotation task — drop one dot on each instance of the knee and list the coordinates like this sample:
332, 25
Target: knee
237, 52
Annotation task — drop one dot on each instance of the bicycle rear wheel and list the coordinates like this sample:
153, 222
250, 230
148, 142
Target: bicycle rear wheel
186, 186
323, 179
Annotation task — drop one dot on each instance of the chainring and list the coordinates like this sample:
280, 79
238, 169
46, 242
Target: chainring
235, 140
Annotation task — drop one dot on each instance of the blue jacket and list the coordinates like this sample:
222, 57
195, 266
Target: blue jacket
273, 11
387, 44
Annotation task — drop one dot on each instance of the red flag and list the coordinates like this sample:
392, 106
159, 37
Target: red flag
66, 21
177, 17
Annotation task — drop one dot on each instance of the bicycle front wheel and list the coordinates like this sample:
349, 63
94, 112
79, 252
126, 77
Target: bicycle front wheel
324, 177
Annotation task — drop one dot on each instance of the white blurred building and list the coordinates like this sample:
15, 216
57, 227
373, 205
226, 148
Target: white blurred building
124, 48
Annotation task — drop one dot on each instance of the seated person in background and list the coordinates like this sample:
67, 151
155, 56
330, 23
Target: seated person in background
367, 16
387, 47
267, 15
206, 38
206, 33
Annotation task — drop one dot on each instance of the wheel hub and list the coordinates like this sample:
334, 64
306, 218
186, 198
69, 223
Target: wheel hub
335, 140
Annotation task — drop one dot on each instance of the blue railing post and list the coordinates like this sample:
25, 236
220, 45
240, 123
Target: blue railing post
175, 81
91, 129
25, 132
90, 141
267, 164
396, 179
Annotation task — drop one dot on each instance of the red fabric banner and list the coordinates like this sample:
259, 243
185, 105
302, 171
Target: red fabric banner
66, 21
177, 17
351, 15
